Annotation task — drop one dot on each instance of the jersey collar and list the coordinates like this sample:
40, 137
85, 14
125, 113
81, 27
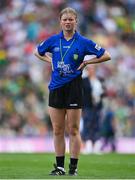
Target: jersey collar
76, 35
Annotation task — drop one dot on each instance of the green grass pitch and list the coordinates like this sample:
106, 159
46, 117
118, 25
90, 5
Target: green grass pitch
37, 166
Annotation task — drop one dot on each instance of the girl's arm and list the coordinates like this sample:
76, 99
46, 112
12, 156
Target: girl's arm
46, 57
105, 57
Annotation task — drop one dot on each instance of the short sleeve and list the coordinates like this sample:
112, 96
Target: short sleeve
44, 47
94, 49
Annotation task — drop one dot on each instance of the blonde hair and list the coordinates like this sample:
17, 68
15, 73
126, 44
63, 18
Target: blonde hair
68, 10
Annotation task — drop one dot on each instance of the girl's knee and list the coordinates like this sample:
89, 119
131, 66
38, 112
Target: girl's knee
73, 131
58, 132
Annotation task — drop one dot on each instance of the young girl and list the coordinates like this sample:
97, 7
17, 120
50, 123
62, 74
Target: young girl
68, 49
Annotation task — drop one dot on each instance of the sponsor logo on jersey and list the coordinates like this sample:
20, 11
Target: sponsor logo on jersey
56, 49
66, 47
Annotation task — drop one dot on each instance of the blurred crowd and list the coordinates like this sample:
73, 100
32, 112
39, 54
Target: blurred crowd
24, 79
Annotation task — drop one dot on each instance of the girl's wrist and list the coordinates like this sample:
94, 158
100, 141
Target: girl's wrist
85, 63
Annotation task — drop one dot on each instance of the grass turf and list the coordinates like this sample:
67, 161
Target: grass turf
37, 166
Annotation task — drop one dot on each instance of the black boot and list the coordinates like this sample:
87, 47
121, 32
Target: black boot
72, 170
58, 171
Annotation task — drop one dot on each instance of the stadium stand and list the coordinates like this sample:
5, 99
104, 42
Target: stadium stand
24, 79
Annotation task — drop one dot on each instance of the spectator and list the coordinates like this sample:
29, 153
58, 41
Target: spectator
92, 106
108, 131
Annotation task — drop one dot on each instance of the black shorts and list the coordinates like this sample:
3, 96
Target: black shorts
68, 96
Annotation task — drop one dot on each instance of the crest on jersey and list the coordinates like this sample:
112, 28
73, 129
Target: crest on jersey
75, 56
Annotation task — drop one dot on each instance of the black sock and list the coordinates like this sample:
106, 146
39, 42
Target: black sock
73, 161
60, 161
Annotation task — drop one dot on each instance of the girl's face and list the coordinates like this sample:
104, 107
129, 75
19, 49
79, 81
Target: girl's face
68, 22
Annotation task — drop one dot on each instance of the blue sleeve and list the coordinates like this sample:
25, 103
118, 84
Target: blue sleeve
94, 49
44, 47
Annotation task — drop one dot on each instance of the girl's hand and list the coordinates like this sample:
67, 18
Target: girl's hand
82, 66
